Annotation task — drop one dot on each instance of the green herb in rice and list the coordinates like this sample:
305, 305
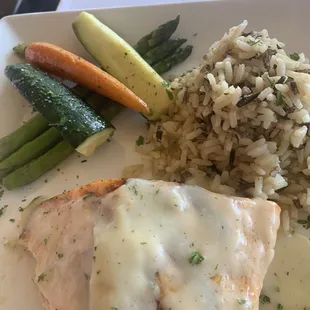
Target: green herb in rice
294, 56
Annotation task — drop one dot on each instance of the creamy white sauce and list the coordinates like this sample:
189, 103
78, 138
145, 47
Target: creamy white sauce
288, 279
142, 251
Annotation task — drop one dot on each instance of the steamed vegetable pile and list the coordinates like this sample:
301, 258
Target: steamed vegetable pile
80, 118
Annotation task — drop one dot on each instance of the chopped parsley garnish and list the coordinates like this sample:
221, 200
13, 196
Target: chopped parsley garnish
264, 299
272, 84
12, 220
305, 223
135, 190
87, 195
165, 83
241, 301
277, 288
279, 100
1, 193
20, 209
41, 277
169, 93
302, 222
113, 308
143, 243
294, 56
254, 42
280, 307
2, 209
195, 258
60, 255
86, 276
140, 140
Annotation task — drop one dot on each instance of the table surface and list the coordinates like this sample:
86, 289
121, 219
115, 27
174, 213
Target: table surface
66, 5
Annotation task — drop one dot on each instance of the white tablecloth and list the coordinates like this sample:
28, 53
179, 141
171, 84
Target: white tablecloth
66, 5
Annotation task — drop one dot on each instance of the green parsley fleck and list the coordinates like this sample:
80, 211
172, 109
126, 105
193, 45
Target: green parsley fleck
169, 93
294, 56
88, 195
272, 83
45, 241
305, 223
279, 100
135, 190
41, 277
20, 209
1, 193
241, 301
60, 255
12, 220
140, 141
280, 307
254, 42
195, 258
2, 209
165, 83
143, 243
157, 191
86, 276
113, 308
277, 288
264, 299
302, 222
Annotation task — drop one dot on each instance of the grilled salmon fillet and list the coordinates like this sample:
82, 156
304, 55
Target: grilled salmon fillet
59, 234
140, 244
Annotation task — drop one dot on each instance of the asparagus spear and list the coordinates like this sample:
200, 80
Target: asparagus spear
161, 51
179, 56
81, 92
107, 108
38, 167
27, 132
30, 151
157, 36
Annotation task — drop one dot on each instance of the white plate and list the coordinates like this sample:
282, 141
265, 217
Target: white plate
286, 20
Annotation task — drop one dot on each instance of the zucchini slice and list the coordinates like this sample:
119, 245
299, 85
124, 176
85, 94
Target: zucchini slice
77, 122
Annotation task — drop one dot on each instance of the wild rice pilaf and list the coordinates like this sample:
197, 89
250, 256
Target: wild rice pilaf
240, 123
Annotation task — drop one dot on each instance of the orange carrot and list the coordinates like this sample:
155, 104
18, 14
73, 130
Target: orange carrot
67, 65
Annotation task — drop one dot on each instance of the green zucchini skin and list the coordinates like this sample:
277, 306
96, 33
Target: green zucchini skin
75, 120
